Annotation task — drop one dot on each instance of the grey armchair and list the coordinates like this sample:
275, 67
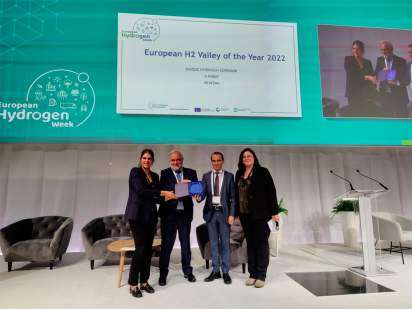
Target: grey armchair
100, 232
37, 239
238, 246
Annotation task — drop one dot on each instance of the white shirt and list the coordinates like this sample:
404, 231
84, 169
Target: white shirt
388, 62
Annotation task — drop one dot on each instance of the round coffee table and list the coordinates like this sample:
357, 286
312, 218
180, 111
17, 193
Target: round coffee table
123, 246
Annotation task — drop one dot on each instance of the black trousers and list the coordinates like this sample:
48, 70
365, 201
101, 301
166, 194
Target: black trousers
257, 236
143, 235
170, 225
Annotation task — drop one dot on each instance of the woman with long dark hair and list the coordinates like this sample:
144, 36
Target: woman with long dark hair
360, 83
257, 204
141, 211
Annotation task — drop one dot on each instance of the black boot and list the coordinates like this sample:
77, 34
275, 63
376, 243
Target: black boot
213, 276
227, 279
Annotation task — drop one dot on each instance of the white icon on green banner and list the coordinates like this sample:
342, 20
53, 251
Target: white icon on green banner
67, 92
52, 102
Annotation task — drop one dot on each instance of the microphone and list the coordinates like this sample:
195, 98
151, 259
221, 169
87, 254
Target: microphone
346, 180
366, 176
277, 225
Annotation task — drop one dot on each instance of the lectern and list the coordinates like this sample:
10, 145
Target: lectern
369, 267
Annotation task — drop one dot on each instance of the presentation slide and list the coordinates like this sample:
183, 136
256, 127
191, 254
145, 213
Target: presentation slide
193, 66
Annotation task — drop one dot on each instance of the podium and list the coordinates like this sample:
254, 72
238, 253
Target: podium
369, 268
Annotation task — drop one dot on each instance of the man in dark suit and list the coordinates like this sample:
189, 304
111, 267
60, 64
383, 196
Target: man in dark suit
219, 214
393, 77
176, 216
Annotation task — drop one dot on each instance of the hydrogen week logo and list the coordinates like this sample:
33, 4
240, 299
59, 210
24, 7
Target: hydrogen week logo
58, 99
145, 29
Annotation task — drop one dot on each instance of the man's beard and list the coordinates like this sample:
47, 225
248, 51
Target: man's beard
175, 168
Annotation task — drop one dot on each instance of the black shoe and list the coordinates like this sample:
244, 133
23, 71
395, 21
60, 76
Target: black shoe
227, 279
190, 278
162, 280
136, 292
213, 275
146, 287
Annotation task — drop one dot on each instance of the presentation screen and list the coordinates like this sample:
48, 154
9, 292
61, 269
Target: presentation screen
193, 66
365, 72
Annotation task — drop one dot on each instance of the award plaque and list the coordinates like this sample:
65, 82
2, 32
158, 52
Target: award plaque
188, 188
181, 189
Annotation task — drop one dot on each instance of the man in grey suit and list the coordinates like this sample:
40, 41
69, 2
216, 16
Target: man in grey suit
219, 214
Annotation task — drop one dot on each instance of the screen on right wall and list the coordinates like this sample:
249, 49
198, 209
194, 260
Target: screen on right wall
365, 72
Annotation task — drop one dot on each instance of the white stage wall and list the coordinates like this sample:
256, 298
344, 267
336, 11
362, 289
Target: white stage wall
88, 181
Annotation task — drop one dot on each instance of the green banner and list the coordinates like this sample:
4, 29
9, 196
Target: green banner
58, 67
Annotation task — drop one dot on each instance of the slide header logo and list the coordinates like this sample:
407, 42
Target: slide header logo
145, 29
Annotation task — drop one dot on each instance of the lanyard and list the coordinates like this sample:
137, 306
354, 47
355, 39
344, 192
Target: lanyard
388, 63
174, 173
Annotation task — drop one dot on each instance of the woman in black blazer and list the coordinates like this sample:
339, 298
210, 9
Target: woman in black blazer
256, 205
360, 82
141, 211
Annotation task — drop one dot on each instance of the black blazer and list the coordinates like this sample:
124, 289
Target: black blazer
402, 76
141, 204
167, 183
356, 85
263, 201
227, 195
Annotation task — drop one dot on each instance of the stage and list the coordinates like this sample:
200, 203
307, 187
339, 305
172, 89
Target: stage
73, 285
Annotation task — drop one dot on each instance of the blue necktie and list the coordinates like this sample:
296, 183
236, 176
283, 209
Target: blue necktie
179, 179
179, 176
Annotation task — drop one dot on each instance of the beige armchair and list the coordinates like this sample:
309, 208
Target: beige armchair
393, 228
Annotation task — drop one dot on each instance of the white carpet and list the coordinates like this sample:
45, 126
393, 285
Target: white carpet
73, 285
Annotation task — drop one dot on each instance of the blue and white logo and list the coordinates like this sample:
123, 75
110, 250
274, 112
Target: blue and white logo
147, 29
